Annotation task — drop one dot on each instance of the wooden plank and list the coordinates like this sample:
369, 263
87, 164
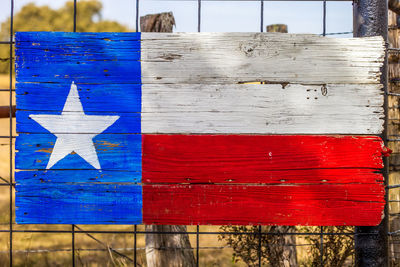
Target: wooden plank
358, 204
95, 97
261, 159
127, 123
262, 109
203, 58
78, 203
90, 72
250, 108
196, 58
28, 178
112, 58
100, 39
114, 151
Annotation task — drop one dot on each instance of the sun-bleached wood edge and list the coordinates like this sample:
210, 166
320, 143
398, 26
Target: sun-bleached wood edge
266, 57
262, 109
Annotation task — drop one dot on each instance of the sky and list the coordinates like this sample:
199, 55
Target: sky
222, 16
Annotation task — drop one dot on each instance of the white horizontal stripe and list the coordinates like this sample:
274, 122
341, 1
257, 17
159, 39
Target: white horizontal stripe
273, 57
262, 109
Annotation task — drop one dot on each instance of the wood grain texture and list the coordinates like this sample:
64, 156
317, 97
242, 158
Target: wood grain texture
197, 58
262, 109
361, 204
73, 176
114, 151
100, 74
261, 159
203, 58
89, 203
94, 97
192, 85
50, 57
100, 62
262, 179
128, 123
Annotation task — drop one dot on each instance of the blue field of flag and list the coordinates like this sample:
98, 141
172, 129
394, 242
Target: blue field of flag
79, 146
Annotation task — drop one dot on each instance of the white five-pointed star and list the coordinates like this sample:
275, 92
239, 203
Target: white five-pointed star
74, 130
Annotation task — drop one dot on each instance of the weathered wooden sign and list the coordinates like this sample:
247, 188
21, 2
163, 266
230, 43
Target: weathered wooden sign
133, 128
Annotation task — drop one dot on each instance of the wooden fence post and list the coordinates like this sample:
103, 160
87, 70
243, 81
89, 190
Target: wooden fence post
288, 242
165, 249
370, 18
162, 22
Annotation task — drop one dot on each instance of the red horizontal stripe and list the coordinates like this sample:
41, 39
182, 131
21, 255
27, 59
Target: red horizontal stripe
308, 180
356, 204
261, 159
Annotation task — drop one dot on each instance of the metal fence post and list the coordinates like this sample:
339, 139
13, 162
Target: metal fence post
370, 18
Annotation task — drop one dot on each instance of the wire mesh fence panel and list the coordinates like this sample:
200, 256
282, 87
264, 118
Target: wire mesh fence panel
133, 245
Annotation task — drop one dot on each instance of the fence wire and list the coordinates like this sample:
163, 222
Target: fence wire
120, 251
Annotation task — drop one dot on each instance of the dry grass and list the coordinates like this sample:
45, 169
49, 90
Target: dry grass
5, 81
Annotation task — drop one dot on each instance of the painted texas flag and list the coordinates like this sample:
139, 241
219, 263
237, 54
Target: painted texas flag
131, 128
